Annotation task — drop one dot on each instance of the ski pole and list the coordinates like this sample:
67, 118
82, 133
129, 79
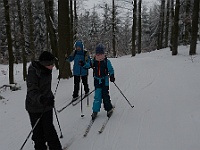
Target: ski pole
123, 95
32, 130
61, 135
82, 115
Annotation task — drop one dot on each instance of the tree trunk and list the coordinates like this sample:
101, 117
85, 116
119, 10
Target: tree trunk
172, 24
9, 39
51, 30
114, 28
195, 18
75, 21
176, 28
161, 25
64, 38
167, 24
139, 26
187, 22
134, 28
71, 25
31, 29
22, 39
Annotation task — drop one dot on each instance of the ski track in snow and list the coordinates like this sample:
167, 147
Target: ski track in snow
165, 116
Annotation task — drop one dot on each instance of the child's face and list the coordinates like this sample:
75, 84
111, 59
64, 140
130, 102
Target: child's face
50, 67
100, 57
78, 48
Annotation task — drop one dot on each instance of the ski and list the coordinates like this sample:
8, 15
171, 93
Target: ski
105, 123
78, 101
88, 128
71, 102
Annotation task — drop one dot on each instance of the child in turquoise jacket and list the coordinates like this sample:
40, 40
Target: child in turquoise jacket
103, 70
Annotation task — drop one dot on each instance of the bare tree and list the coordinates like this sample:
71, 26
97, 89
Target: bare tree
31, 29
172, 23
167, 24
161, 25
195, 18
187, 21
139, 26
64, 38
51, 29
22, 40
9, 39
176, 29
134, 28
75, 21
71, 25
114, 27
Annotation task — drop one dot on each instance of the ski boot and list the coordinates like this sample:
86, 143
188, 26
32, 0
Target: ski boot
75, 98
94, 115
109, 113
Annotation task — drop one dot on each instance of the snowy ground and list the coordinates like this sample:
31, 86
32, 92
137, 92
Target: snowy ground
164, 90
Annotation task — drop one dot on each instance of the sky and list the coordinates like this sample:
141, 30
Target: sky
90, 3
163, 88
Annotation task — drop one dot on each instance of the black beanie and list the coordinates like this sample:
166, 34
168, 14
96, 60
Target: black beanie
100, 49
46, 58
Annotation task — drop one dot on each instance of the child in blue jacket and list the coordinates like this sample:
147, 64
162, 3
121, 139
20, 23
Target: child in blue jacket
103, 70
80, 69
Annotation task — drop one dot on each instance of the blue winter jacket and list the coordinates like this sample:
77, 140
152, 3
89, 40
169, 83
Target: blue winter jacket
77, 56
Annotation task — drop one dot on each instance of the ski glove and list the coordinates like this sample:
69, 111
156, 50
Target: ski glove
112, 78
81, 63
47, 101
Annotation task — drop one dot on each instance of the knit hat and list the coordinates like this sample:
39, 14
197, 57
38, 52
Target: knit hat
78, 44
46, 58
100, 49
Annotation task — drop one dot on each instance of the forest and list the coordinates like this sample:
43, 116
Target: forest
125, 27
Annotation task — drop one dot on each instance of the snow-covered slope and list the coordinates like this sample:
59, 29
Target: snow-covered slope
164, 90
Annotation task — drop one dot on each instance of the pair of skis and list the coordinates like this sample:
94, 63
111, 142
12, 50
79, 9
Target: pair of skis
92, 122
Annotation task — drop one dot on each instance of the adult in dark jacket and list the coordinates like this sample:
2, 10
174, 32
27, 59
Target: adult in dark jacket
80, 69
40, 102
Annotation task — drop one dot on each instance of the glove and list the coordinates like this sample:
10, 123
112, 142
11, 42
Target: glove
66, 57
81, 63
112, 78
47, 101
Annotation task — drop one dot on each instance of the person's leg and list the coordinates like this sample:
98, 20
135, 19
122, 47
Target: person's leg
106, 98
97, 100
38, 134
85, 84
50, 132
76, 86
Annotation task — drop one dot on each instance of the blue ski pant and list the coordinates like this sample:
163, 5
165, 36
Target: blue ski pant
102, 93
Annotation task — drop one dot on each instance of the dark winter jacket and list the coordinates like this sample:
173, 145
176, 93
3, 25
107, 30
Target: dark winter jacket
102, 70
38, 84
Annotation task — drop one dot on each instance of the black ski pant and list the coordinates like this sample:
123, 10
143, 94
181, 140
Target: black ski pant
77, 84
44, 131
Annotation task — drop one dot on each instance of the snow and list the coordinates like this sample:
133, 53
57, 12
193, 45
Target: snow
163, 88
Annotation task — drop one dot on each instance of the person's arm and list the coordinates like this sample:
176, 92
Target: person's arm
110, 71
71, 56
87, 64
33, 90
